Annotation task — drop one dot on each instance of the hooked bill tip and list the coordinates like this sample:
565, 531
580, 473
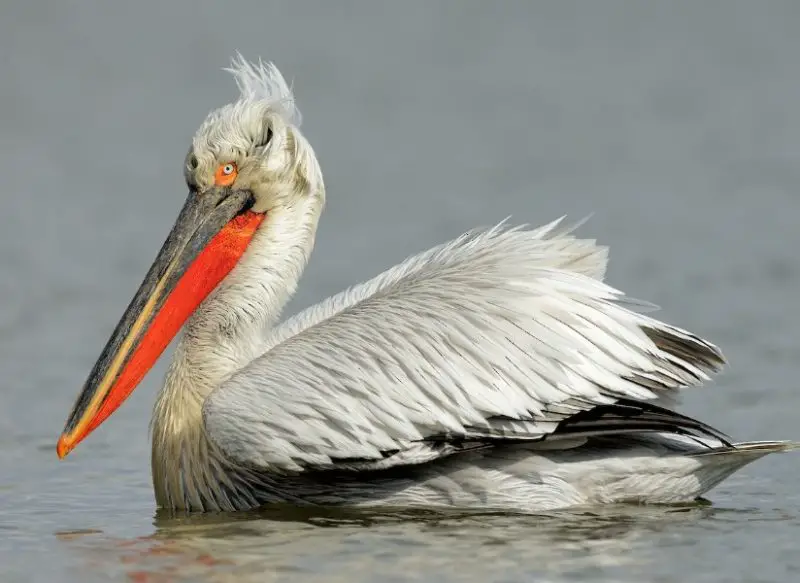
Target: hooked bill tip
63, 447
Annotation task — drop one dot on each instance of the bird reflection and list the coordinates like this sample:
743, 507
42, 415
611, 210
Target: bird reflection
332, 544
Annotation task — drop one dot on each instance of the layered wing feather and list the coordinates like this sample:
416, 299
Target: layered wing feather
503, 333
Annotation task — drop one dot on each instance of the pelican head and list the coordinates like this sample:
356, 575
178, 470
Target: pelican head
248, 161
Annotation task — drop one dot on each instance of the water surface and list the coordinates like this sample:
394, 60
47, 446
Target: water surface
677, 124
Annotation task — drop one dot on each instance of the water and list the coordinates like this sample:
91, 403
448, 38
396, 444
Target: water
677, 124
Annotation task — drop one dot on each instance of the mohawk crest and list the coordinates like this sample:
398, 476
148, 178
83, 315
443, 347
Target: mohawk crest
264, 82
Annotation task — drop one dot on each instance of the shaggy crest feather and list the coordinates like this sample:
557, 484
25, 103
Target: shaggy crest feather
262, 81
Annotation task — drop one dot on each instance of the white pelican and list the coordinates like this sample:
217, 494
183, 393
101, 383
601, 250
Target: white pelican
496, 371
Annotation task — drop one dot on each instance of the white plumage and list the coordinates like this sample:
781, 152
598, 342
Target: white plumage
496, 371
499, 333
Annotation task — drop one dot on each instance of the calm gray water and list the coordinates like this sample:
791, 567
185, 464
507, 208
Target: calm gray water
677, 124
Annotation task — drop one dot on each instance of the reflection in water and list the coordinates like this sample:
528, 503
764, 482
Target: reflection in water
289, 544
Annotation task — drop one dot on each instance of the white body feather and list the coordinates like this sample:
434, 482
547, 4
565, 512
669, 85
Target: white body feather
448, 380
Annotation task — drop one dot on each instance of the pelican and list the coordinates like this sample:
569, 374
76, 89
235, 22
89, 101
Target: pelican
496, 371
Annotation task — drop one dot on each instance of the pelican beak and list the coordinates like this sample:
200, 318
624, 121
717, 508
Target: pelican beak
209, 237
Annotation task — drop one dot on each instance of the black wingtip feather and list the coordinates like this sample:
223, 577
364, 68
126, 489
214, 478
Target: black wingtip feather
627, 415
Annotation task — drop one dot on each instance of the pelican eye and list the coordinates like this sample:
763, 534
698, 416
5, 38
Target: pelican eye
226, 174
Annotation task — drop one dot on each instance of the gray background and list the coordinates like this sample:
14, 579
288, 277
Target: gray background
675, 123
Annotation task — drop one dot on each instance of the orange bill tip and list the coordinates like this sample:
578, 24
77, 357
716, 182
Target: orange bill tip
64, 446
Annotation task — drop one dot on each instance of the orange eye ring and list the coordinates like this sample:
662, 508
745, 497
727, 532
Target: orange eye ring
226, 174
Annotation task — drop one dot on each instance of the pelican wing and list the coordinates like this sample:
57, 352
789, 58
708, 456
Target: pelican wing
502, 334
